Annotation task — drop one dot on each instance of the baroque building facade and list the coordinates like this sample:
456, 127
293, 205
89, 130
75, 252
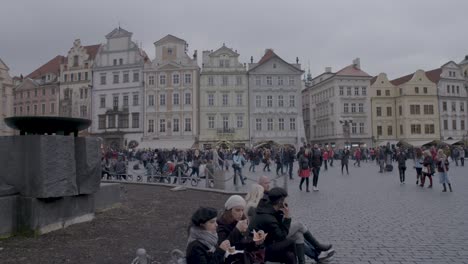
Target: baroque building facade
337, 106
275, 101
171, 96
224, 107
383, 101
117, 94
37, 94
76, 81
6, 98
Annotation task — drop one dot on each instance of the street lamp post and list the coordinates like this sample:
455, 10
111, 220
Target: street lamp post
346, 131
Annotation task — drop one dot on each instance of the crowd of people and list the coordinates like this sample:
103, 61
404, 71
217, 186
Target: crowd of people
253, 229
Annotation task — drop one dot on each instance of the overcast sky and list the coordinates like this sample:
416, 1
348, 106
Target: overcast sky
396, 37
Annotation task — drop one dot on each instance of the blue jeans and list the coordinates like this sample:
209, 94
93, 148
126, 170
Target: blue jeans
310, 251
238, 170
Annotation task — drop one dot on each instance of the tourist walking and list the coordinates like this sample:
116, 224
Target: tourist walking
442, 169
316, 159
304, 169
418, 165
325, 159
462, 156
357, 157
345, 160
428, 168
331, 156
196, 160
381, 159
401, 159
237, 161
266, 159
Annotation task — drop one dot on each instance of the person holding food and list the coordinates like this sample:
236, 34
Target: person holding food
202, 246
233, 226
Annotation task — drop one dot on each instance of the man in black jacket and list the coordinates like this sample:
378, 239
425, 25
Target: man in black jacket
316, 160
272, 216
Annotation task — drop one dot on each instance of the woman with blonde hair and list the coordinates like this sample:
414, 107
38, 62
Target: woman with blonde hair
252, 199
442, 169
428, 168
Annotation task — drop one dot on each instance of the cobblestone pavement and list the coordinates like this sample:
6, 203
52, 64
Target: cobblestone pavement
370, 217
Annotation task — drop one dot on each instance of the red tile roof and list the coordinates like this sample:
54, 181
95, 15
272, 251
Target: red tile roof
268, 55
52, 66
92, 50
433, 76
402, 80
372, 81
352, 70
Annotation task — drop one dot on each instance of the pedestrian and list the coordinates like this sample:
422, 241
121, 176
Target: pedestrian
418, 165
331, 156
289, 160
279, 165
325, 159
196, 160
357, 157
266, 159
237, 160
428, 168
304, 169
345, 160
202, 246
381, 160
462, 156
316, 159
401, 159
442, 169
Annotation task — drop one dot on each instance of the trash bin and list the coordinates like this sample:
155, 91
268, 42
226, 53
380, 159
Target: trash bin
219, 180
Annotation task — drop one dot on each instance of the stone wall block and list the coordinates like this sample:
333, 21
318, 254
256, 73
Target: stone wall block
88, 164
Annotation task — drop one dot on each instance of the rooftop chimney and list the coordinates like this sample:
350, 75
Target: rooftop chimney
328, 69
357, 63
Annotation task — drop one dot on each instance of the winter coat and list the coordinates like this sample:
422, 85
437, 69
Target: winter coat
401, 158
236, 239
197, 253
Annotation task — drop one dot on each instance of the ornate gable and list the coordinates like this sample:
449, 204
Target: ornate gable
168, 66
224, 50
169, 39
119, 33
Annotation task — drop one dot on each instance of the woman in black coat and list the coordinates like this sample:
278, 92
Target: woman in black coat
202, 245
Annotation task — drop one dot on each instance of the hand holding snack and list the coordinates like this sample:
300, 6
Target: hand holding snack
259, 237
242, 226
225, 245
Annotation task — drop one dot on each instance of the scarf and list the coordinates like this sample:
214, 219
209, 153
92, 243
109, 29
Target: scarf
208, 239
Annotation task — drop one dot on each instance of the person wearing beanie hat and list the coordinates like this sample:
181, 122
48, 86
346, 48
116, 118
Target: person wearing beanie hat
202, 246
233, 225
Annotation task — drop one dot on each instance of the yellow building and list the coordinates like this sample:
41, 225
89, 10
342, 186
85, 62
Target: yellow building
383, 98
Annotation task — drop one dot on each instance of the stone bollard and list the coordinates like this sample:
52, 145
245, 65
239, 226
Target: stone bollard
219, 179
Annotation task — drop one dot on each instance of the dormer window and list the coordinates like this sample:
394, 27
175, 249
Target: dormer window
169, 51
274, 65
75, 61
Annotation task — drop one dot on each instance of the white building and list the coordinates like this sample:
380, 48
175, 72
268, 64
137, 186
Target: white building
224, 106
333, 100
171, 90
117, 97
275, 100
6, 98
452, 97
76, 81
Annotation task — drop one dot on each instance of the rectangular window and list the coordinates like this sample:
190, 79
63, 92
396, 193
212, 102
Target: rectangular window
120, 61
52, 108
462, 107
425, 90
444, 106
269, 81
258, 80
281, 124
269, 101
415, 109
136, 100
429, 129
162, 125
345, 108
116, 78
389, 111
65, 78
361, 128
151, 126
135, 120
86, 76
175, 79
458, 89
211, 122
188, 99
356, 91
123, 121
462, 125
364, 91
353, 108
150, 80
75, 61
401, 129
188, 124
379, 93
454, 107
43, 91
211, 99
291, 81
239, 99
379, 111
445, 124
416, 90
115, 102
188, 78
269, 124
387, 92
103, 79
175, 99
35, 109
341, 90
292, 124
175, 125
224, 80
72, 77
292, 101
111, 121
150, 100
210, 81
348, 91
389, 131
280, 80
102, 122
258, 124
415, 129
428, 109
353, 128
240, 121
400, 110
379, 130
125, 100
238, 80
454, 123
162, 79
448, 88
258, 101
162, 99
361, 108
225, 122
280, 101
42, 109
136, 77
225, 97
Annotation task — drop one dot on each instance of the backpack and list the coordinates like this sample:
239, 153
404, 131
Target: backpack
304, 163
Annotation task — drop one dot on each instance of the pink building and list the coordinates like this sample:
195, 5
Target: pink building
38, 92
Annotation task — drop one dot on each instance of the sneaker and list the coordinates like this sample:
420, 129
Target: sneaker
316, 189
324, 255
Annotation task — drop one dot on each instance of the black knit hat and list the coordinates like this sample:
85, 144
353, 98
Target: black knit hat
203, 215
277, 193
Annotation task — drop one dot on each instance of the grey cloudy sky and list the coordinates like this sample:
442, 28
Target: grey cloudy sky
396, 37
